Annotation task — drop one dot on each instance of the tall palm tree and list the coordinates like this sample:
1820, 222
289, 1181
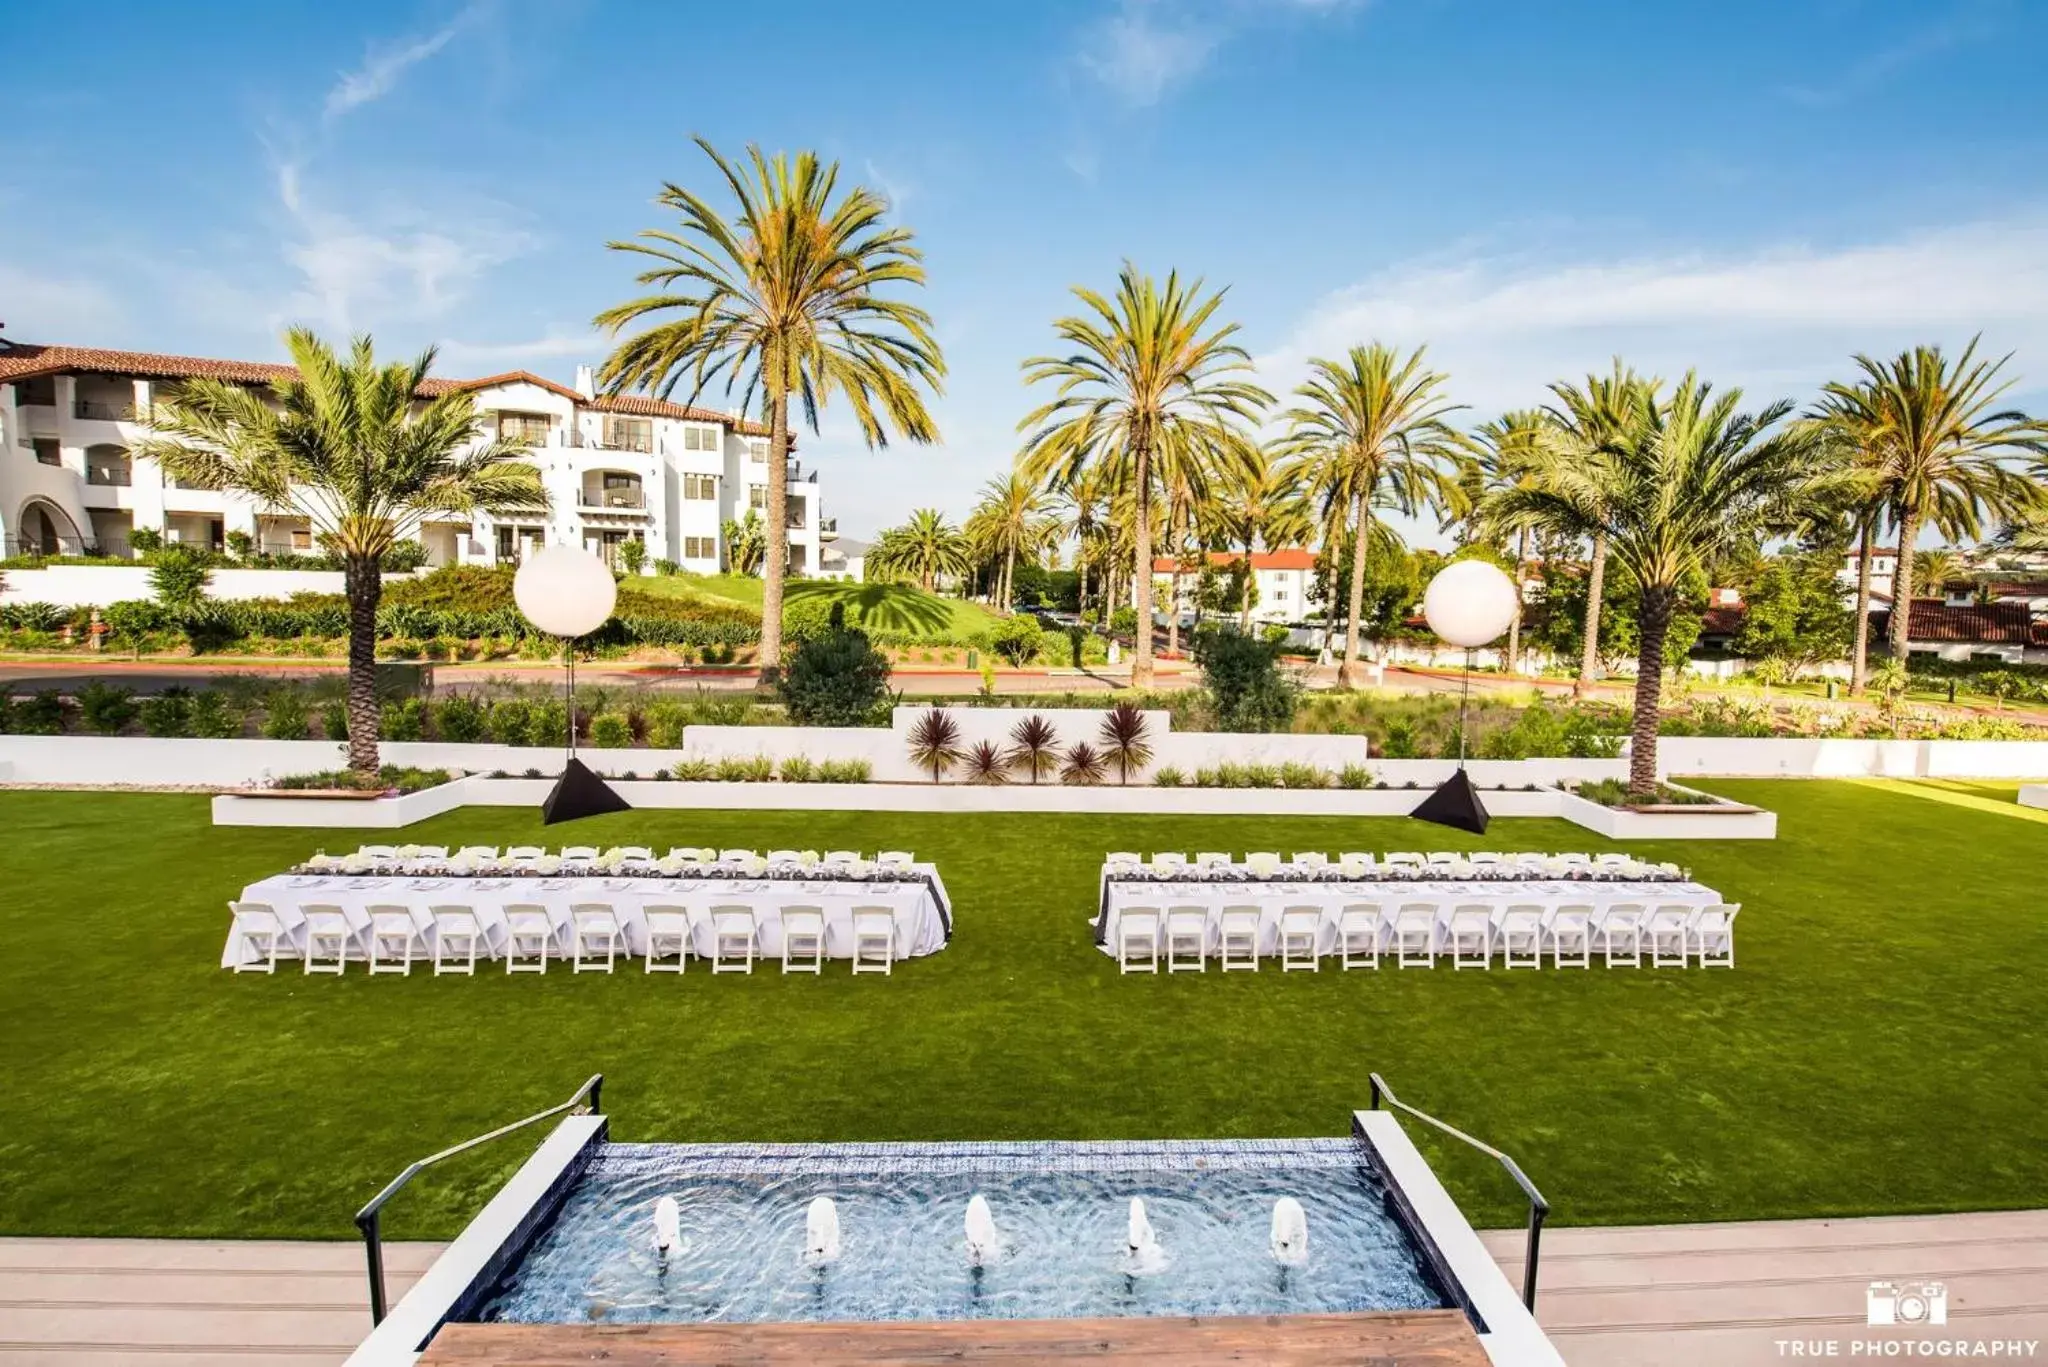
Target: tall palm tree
1938, 568
1589, 418
1508, 454
1013, 519
1080, 512
1262, 506
1149, 381
1373, 432
787, 299
344, 444
1939, 449
926, 548
1691, 481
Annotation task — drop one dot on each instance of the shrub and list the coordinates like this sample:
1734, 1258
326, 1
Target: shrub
286, 713
508, 721
40, 715
461, 719
1015, 638
611, 730
835, 677
1083, 765
1166, 776
404, 719
1295, 774
693, 769
1124, 621
799, 769
1354, 776
334, 721
1034, 746
404, 779
1246, 688
547, 723
105, 708
745, 769
808, 616
178, 578
1208, 778
665, 722
1124, 743
169, 714
145, 540
633, 555
935, 742
987, 763
1613, 792
214, 716
845, 771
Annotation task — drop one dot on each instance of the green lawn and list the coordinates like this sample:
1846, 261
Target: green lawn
1878, 1049
880, 607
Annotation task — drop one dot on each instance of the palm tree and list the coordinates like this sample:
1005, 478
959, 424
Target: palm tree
1373, 432
925, 548
1148, 381
1937, 448
344, 444
746, 543
1013, 519
1589, 419
1079, 511
784, 300
1939, 568
1262, 506
1509, 454
1687, 483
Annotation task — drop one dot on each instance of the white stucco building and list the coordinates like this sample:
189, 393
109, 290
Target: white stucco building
614, 468
1285, 580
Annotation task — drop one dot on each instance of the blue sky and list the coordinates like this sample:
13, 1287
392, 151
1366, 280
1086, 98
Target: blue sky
1754, 188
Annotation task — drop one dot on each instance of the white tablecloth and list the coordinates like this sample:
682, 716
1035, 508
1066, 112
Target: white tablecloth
1332, 897
918, 901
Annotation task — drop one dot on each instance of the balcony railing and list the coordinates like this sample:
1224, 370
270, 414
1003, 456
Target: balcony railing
614, 500
102, 411
114, 476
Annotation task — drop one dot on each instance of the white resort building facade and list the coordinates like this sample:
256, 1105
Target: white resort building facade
615, 469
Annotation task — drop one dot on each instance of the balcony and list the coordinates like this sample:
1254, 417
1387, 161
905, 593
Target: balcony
619, 494
106, 410
110, 474
828, 529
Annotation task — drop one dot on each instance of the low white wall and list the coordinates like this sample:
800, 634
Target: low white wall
1771, 757
384, 813
96, 586
1617, 823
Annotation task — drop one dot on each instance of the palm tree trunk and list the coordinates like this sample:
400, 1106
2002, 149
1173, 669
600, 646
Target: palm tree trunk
1350, 674
1589, 649
1515, 622
364, 579
1642, 753
1244, 616
1901, 623
1859, 662
1173, 592
778, 536
1141, 569
1009, 578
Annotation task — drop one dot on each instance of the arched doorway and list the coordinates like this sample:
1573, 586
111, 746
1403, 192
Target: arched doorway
45, 530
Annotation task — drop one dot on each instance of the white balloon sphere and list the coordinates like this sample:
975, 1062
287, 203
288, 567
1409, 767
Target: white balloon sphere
1470, 602
565, 591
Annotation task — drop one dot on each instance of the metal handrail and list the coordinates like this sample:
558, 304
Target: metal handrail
369, 1220
1538, 1207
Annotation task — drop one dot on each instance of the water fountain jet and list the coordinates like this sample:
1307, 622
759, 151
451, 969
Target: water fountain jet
668, 1224
1141, 1243
1290, 1232
982, 1239
821, 1232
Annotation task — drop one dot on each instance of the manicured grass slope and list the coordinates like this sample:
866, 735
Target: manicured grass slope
1878, 1049
880, 607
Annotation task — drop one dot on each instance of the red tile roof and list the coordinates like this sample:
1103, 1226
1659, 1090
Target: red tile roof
28, 361
1936, 623
1292, 558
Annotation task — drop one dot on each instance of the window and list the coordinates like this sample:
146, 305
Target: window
48, 452
757, 451
700, 487
628, 434
700, 548
700, 439
757, 497
528, 428
37, 391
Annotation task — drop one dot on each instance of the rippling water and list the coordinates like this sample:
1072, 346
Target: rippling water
1061, 1212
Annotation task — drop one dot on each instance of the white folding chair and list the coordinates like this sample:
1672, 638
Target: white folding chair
1263, 863
1713, 935
668, 932
428, 852
329, 937
1405, 859
874, 939
1137, 940
578, 854
833, 857
524, 854
529, 938
1669, 932
690, 854
1355, 861
385, 852
393, 937
1237, 938
1471, 936
1443, 858
641, 852
1613, 861
803, 940
458, 936
736, 856
1486, 857
1358, 934
1301, 928
1170, 859
480, 852
594, 932
1123, 859
1311, 859
1521, 936
1621, 934
1574, 859
895, 859
784, 857
1212, 859
1187, 940
735, 939
261, 933
1570, 931
1415, 935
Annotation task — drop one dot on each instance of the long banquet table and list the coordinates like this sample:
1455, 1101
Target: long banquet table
1332, 895
914, 895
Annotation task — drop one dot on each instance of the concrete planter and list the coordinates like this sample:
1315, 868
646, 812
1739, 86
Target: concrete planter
376, 813
1719, 821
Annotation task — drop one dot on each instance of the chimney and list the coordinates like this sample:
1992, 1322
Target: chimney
586, 384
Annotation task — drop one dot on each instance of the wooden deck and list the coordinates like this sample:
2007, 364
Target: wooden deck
1416, 1338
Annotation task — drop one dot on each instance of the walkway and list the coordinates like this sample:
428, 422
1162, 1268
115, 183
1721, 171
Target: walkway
1661, 1296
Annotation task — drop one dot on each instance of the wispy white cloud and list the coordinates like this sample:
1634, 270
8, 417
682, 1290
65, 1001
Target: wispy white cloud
1968, 23
895, 188
384, 65
1143, 49
40, 306
1776, 320
561, 343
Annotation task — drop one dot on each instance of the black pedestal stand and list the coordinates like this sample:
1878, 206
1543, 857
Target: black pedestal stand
1456, 802
578, 792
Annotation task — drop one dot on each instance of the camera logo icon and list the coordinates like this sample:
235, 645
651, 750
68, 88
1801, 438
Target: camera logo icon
1906, 1303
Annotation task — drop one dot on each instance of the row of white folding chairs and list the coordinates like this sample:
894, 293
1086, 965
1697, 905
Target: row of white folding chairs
1673, 935
1360, 859
520, 854
391, 941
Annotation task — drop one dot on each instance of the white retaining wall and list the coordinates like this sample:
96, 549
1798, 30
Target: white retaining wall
95, 586
1772, 757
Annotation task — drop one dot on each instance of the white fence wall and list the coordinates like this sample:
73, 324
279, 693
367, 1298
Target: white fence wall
96, 586
1770, 757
